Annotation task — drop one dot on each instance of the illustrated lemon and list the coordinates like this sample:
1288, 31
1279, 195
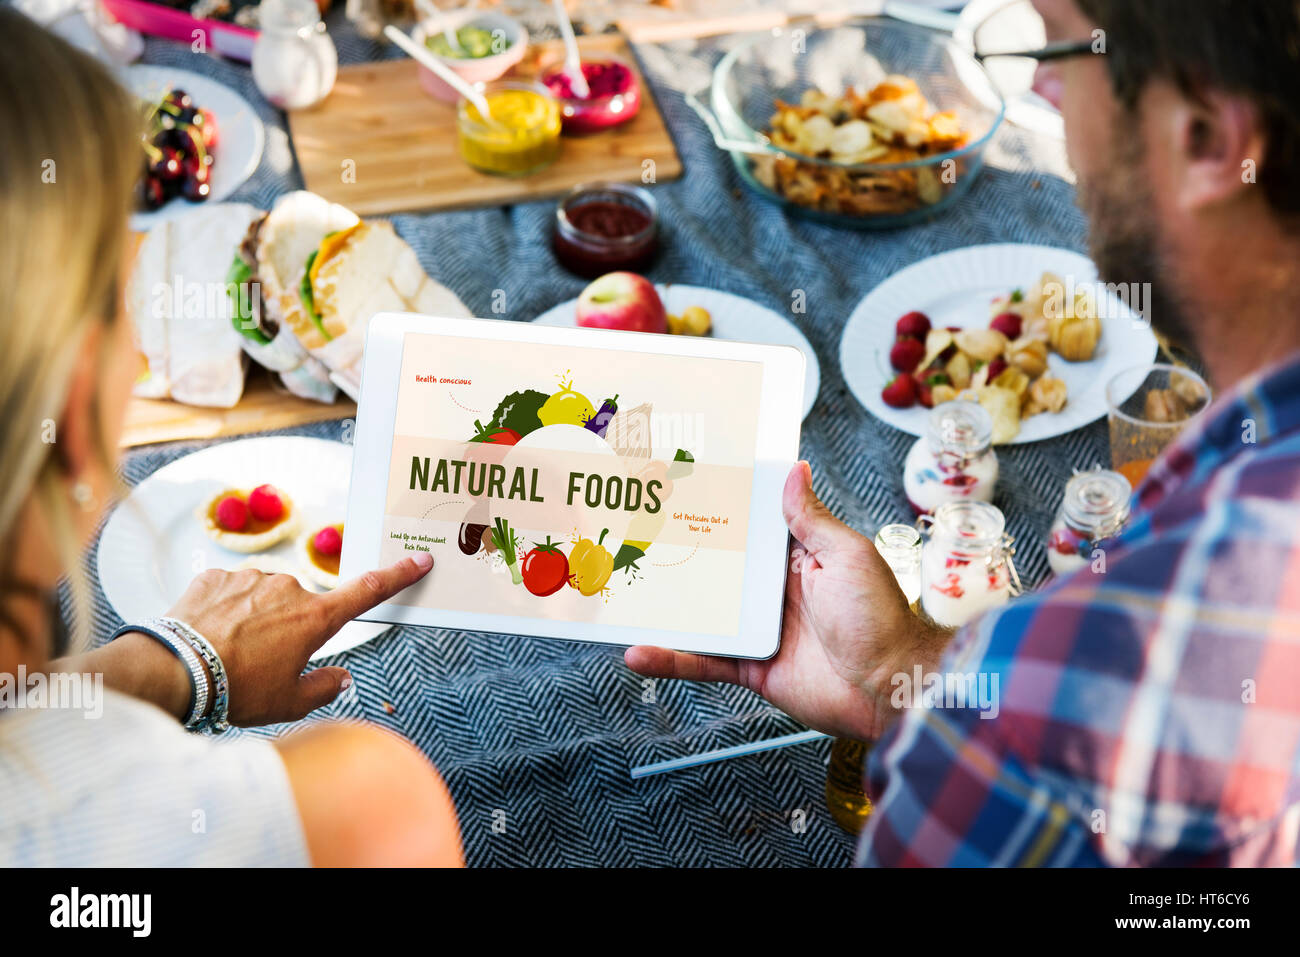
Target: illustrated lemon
566, 407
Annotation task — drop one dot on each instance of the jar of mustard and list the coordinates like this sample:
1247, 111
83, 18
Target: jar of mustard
522, 136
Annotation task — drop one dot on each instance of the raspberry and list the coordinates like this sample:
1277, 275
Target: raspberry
328, 542
265, 503
232, 513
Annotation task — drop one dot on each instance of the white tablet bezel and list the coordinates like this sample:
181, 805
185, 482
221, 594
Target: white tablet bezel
777, 447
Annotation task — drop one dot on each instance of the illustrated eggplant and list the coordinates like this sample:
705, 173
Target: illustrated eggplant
599, 422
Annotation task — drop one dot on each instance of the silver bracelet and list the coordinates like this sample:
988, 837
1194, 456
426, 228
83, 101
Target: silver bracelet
218, 720
157, 629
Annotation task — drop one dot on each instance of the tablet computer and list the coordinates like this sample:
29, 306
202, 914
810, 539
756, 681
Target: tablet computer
584, 484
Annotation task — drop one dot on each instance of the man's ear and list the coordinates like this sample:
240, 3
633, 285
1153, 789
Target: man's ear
78, 426
1220, 145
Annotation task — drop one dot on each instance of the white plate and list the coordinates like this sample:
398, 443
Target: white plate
239, 131
955, 289
734, 317
153, 545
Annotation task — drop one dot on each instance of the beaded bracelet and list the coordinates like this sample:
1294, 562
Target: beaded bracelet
218, 720
173, 642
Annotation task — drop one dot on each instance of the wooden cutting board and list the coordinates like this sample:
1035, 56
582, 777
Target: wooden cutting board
403, 143
265, 405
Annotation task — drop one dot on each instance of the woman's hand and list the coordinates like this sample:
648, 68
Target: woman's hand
265, 627
847, 630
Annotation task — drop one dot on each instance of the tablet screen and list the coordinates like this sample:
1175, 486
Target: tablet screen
574, 484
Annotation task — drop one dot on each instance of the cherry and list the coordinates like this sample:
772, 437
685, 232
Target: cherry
196, 189
155, 194
168, 164
206, 124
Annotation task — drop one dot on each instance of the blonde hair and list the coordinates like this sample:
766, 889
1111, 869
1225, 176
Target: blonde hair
69, 160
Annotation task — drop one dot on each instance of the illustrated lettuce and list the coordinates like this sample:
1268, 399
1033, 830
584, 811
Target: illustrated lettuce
518, 411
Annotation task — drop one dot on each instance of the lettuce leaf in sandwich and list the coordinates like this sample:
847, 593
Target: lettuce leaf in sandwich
246, 315
238, 277
309, 298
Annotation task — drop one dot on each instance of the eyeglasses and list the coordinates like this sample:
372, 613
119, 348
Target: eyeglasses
1052, 51
1017, 26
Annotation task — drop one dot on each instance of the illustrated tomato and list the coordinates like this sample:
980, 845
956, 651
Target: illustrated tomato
545, 569
494, 435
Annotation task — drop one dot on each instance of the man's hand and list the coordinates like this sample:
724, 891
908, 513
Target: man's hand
847, 629
266, 627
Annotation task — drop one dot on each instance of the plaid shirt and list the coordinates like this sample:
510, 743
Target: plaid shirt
1147, 715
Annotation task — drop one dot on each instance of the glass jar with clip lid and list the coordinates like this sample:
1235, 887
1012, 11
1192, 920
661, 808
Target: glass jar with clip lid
966, 562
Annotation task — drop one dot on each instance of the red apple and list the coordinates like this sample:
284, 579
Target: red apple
622, 300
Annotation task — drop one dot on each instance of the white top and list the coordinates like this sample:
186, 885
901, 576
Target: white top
132, 788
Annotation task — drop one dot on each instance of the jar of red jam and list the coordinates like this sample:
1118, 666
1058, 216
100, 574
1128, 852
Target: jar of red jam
606, 227
615, 93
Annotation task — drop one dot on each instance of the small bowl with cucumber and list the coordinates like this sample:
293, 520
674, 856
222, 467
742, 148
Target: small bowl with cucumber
487, 44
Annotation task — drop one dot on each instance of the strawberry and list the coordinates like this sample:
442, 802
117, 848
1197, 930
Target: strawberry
914, 325
925, 387
951, 586
232, 513
901, 392
265, 503
1007, 323
1067, 541
906, 354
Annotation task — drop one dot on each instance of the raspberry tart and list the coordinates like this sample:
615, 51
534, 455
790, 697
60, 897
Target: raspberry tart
320, 553
250, 521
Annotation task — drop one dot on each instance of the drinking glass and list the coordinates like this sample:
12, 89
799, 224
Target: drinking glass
1148, 406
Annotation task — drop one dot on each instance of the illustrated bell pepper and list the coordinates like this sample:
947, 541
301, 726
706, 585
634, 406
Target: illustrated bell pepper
590, 565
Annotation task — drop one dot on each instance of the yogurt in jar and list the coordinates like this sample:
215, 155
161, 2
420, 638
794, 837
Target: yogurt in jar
966, 564
954, 461
1095, 507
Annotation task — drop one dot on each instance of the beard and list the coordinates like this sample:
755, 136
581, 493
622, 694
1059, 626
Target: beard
1126, 243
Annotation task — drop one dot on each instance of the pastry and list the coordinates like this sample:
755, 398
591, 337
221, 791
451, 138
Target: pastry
320, 552
250, 521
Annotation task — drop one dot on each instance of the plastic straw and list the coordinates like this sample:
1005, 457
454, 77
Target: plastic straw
724, 754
